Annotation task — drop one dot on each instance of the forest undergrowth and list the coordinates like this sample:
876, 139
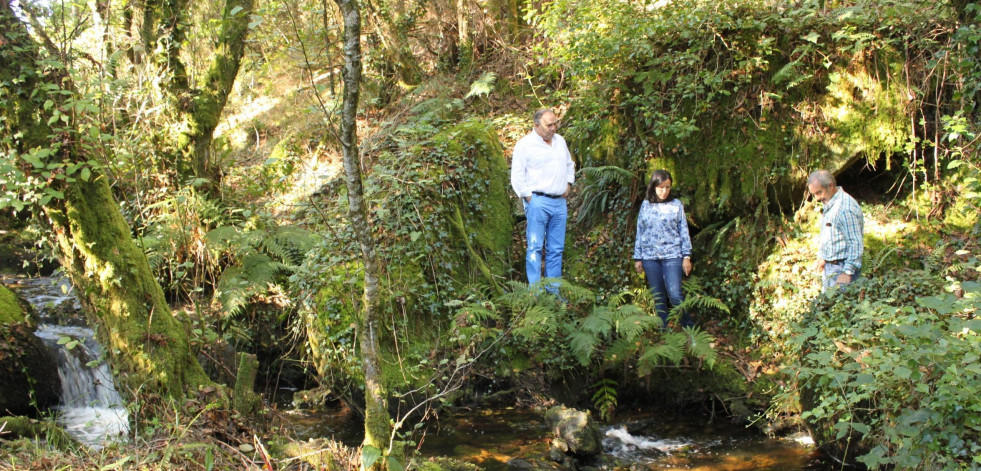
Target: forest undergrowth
739, 104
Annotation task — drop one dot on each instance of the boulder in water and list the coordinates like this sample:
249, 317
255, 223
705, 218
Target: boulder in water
30, 370
575, 432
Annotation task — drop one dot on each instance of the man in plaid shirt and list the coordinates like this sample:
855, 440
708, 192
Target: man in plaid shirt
841, 245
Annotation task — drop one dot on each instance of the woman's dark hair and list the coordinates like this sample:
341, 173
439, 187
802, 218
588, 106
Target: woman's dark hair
657, 178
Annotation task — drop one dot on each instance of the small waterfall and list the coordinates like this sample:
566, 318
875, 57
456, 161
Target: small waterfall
91, 409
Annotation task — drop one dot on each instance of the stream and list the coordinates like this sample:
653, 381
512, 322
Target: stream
638, 441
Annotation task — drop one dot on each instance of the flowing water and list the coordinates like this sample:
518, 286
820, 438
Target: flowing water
639, 442
91, 409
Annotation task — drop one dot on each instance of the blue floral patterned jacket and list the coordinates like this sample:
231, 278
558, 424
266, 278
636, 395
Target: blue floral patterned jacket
662, 231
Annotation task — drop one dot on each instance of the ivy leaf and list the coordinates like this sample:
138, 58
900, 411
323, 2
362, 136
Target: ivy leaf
812, 37
369, 455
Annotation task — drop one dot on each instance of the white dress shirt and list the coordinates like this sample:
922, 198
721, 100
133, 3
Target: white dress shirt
538, 166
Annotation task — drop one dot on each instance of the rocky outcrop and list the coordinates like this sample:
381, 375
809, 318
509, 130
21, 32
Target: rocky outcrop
29, 369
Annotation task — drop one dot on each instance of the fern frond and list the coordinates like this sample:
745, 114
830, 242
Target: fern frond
880, 257
633, 326
537, 321
609, 174
222, 235
627, 311
699, 345
621, 350
618, 299
600, 189
483, 85
605, 398
479, 314
670, 350
232, 292
583, 345
260, 269
598, 323
288, 243
698, 302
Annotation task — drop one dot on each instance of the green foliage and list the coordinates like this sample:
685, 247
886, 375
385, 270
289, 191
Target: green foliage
605, 398
261, 260
894, 360
599, 187
45, 123
483, 85
741, 102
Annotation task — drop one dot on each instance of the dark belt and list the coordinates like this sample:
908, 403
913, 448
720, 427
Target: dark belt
554, 197
835, 262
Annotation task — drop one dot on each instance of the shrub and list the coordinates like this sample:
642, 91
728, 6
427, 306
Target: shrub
893, 361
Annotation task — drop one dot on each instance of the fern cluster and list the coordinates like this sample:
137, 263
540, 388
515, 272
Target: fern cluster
569, 330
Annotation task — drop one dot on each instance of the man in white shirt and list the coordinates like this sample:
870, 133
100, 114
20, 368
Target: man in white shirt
542, 173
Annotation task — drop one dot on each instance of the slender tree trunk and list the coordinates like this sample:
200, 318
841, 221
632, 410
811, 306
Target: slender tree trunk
464, 40
92, 240
377, 422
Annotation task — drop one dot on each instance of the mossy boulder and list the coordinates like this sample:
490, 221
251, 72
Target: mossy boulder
442, 220
30, 370
574, 432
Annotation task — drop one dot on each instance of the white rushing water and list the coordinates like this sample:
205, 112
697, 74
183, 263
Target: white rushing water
91, 409
620, 443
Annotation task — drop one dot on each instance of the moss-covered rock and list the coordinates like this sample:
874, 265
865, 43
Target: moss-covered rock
30, 370
442, 220
38, 430
574, 432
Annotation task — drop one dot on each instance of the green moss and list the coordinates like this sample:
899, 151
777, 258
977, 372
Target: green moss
486, 208
865, 111
112, 272
10, 309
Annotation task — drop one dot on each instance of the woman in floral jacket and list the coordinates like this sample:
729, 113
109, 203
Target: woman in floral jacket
662, 249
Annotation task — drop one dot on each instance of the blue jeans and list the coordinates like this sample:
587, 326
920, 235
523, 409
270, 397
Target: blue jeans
664, 280
546, 230
831, 272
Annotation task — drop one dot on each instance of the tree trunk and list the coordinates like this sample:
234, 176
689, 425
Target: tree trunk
199, 109
399, 66
92, 240
464, 41
377, 422
209, 102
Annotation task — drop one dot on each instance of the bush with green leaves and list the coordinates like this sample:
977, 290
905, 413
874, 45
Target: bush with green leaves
889, 372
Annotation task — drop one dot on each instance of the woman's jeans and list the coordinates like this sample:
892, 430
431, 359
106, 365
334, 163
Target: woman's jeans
664, 279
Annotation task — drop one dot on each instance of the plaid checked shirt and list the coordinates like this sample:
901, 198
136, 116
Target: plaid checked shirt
842, 225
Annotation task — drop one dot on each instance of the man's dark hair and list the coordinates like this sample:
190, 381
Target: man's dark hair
657, 178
